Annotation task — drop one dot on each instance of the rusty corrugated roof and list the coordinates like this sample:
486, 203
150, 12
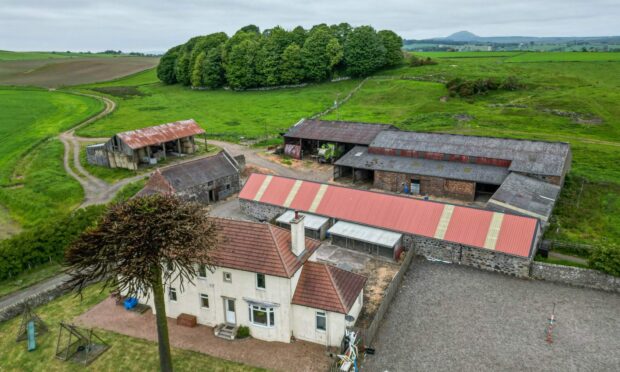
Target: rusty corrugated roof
337, 131
156, 135
326, 287
478, 228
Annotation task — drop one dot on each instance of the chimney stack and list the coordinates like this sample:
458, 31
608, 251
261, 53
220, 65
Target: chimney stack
298, 234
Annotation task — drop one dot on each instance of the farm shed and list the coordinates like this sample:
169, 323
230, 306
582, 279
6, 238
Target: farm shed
366, 239
525, 195
147, 145
456, 166
205, 180
307, 136
315, 226
491, 240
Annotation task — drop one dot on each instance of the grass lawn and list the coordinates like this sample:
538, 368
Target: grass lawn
29, 278
224, 114
555, 94
125, 353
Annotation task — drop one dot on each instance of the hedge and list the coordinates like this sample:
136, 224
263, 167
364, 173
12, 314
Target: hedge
45, 243
606, 259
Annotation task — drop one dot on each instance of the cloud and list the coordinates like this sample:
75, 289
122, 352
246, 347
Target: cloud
146, 25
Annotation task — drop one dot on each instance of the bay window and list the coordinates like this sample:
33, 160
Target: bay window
262, 316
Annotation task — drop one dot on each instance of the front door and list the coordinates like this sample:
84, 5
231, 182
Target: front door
229, 306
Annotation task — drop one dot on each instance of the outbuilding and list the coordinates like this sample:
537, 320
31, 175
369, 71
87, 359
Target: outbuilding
315, 226
366, 239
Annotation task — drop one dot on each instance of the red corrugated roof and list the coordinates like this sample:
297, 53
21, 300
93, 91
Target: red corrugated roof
465, 225
139, 138
326, 287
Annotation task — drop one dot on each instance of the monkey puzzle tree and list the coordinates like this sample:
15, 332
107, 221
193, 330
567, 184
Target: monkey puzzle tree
134, 244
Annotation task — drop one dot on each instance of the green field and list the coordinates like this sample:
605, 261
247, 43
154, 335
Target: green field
565, 57
125, 353
467, 54
226, 114
33, 183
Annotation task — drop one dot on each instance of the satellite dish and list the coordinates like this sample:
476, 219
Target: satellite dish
349, 318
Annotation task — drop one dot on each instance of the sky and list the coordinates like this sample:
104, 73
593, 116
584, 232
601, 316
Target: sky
156, 25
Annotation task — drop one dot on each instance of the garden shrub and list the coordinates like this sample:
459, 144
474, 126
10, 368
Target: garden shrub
243, 332
606, 259
468, 88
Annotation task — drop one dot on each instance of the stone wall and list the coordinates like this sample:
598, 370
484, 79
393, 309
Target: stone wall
457, 189
35, 300
260, 211
575, 276
464, 255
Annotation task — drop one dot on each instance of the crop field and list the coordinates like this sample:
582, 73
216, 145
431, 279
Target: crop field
227, 114
6, 55
57, 72
33, 183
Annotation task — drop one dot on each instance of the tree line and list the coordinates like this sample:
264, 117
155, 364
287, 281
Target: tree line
273, 57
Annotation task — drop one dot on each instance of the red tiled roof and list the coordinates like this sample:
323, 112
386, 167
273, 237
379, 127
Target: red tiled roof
478, 228
139, 138
258, 247
327, 287
157, 184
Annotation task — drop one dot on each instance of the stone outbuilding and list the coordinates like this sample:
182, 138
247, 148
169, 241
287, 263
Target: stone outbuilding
146, 146
205, 180
450, 165
306, 137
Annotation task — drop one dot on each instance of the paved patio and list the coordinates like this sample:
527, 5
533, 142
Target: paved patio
278, 356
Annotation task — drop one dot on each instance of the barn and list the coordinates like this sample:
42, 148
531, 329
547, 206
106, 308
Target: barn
305, 138
490, 240
204, 180
454, 166
146, 146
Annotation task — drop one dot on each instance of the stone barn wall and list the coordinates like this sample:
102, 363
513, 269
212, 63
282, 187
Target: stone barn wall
200, 193
260, 211
469, 256
457, 189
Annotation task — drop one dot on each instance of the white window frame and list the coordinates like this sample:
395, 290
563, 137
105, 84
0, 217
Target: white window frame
202, 296
229, 274
176, 294
198, 272
322, 314
270, 311
264, 282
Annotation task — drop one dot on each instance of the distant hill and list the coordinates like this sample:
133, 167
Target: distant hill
469, 37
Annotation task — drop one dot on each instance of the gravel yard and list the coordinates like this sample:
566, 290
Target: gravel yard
452, 318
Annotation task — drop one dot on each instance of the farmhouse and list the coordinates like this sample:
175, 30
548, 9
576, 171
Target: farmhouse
267, 278
205, 180
485, 239
306, 137
146, 145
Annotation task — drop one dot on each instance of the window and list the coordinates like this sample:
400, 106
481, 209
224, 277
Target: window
169, 266
262, 316
172, 294
228, 186
204, 301
210, 183
260, 281
202, 271
227, 277
321, 321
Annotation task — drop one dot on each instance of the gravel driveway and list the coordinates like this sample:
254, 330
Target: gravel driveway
453, 318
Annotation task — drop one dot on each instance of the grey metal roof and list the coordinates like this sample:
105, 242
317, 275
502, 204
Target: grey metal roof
366, 234
337, 131
311, 221
536, 157
525, 195
200, 171
359, 158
